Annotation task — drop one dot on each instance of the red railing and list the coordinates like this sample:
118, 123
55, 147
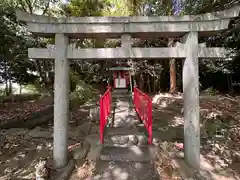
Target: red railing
105, 109
143, 106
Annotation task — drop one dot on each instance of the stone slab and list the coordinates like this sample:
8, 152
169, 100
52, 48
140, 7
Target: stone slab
120, 53
94, 152
139, 26
121, 131
79, 152
93, 139
126, 140
117, 91
227, 13
133, 153
110, 170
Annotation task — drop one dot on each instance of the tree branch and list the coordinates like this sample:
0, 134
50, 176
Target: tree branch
46, 8
30, 7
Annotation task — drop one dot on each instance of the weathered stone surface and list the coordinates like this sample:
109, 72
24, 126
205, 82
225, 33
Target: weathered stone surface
61, 99
133, 139
64, 173
94, 113
133, 153
121, 131
95, 148
112, 170
75, 135
120, 139
113, 27
93, 139
156, 142
16, 131
142, 140
95, 129
236, 157
80, 151
134, 53
84, 128
126, 140
40, 133
191, 101
94, 152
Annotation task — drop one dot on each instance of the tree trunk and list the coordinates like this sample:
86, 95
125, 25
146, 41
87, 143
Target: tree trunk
10, 91
149, 83
20, 88
6, 88
6, 77
172, 69
154, 84
230, 86
141, 81
173, 83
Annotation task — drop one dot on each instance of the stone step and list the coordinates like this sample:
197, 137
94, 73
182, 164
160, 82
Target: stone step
116, 170
121, 94
115, 105
120, 124
133, 153
120, 91
125, 120
126, 140
120, 131
121, 98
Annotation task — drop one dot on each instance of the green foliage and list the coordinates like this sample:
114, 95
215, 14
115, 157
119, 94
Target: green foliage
15, 40
2, 92
83, 8
211, 91
32, 88
83, 92
13, 48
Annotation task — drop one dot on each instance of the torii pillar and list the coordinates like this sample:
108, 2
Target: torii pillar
191, 101
61, 102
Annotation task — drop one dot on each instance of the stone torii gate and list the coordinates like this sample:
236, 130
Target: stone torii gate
126, 28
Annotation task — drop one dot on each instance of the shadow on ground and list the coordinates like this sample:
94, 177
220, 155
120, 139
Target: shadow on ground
219, 147
113, 170
19, 162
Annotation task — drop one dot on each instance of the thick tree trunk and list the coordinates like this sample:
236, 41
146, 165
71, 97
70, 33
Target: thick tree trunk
173, 81
172, 69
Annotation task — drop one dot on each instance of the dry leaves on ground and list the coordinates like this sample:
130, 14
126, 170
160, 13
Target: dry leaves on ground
13, 110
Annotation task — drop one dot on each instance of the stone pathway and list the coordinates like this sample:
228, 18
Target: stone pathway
125, 154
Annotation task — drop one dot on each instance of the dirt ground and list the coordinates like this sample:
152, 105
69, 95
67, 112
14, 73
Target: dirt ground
220, 136
12, 110
21, 149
